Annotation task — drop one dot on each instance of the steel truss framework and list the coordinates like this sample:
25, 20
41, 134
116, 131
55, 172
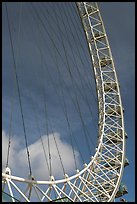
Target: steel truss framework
100, 179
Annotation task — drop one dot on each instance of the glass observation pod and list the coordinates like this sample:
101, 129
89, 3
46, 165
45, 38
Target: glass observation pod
122, 190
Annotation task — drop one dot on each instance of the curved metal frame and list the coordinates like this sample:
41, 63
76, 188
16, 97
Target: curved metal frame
100, 179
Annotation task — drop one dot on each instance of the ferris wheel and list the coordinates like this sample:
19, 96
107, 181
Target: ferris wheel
99, 180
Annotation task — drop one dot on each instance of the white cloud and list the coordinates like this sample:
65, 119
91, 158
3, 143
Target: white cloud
13, 149
19, 162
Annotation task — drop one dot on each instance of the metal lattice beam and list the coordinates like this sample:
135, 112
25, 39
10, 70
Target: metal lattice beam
100, 179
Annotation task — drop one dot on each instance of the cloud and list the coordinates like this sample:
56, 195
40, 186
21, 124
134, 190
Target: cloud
19, 163
13, 149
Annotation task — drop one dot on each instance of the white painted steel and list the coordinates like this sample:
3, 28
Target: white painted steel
100, 179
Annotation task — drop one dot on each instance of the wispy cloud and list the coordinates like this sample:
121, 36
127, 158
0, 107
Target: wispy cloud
19, 163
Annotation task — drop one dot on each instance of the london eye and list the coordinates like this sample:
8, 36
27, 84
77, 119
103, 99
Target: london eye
84, 165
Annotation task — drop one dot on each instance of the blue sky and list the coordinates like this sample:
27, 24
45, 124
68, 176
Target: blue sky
121, 34
37, 59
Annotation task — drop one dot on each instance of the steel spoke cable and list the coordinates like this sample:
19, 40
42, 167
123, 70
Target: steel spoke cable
83, 49
10, 196
72, 79
39, 48
84, 98
59, 98
83, 88
65, 112
76, 65
60, 55
50, 38
37, 124
60, 157
45, 9
82, 95
50, 122
95, 178
12, 100
75, 25
65, 109
47, 129
18, 88
76, 22
62, 107
72, 82
70, 73
90, 88
41, 139
39, 130
10, 130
